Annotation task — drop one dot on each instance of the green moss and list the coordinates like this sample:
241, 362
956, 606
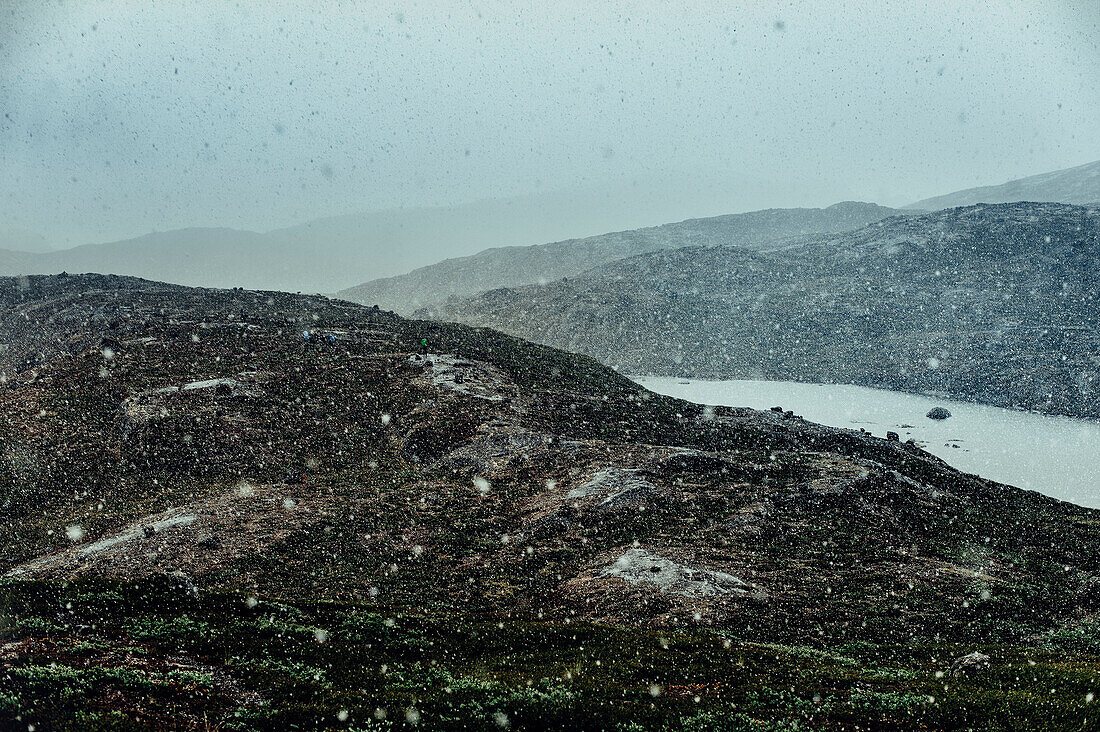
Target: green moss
264, 666
180, 628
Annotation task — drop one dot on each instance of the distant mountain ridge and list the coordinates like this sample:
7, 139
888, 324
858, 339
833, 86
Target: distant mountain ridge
517, 266
994, 303
1079, 185
21, 240
493, 243
322, 255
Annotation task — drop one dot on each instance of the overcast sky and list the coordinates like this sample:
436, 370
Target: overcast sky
120, 118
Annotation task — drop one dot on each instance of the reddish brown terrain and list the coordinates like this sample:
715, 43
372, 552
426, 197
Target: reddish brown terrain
198, 449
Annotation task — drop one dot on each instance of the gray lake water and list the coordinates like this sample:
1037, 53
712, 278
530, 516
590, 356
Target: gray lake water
1057, 456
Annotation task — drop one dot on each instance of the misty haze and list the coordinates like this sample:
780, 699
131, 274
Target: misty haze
620, 366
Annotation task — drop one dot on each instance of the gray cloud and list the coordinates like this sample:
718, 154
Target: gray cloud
120, 118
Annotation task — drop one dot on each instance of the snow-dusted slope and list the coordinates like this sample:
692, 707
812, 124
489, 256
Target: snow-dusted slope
516, 266
996, 304
1072, 185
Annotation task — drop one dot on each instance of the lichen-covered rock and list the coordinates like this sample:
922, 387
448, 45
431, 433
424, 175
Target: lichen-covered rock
639, 566
971, 663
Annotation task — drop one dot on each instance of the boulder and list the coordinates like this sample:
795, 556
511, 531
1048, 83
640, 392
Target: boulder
971, 663
109, 346
938, 413
637, 566
179, 584
168, 591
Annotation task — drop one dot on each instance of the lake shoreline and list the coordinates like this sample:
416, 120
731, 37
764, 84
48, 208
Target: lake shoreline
944, 396
1056, 455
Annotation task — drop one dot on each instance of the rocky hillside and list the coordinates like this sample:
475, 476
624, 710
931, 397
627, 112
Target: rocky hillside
516, 266
996, 304
252, 510
1080, 185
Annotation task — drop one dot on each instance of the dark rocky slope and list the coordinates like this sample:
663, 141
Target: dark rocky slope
516, 266
996, 304
390, 502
